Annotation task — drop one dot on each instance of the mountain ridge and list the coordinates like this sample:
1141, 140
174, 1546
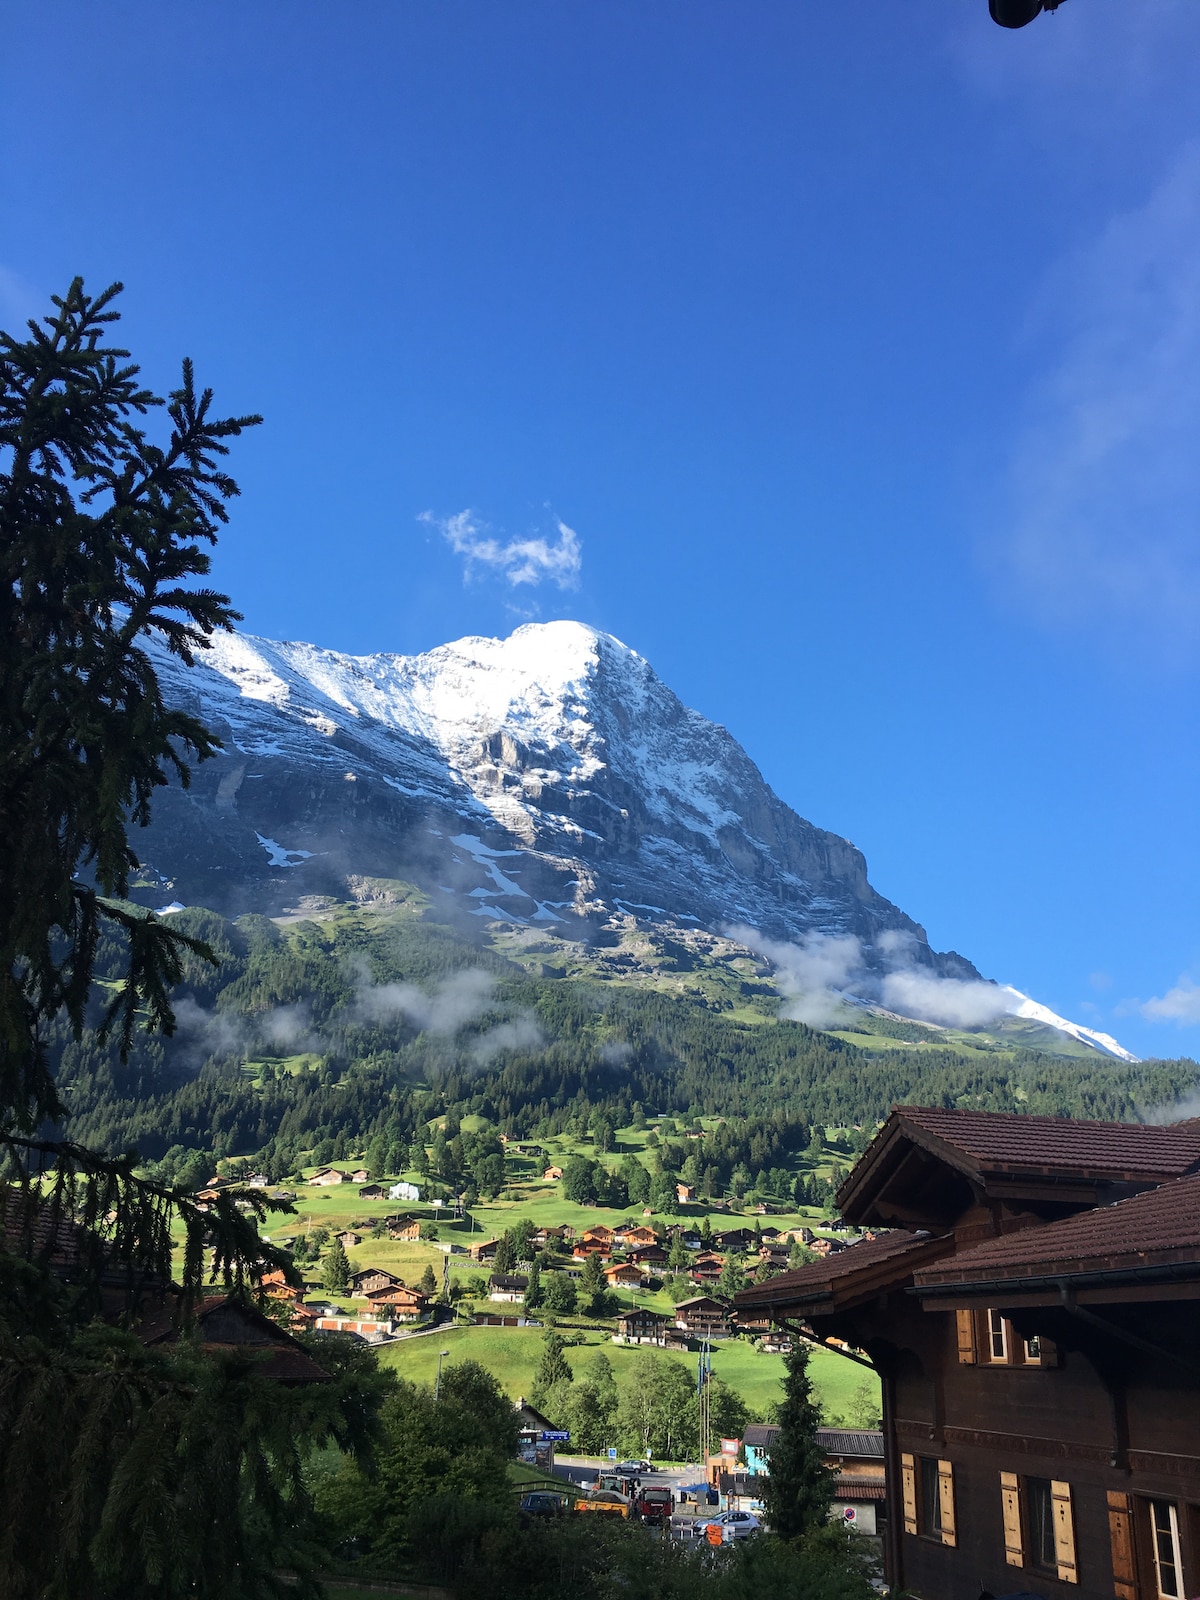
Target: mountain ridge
549, 778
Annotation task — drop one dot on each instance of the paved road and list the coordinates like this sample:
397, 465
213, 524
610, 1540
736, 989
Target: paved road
583, 1469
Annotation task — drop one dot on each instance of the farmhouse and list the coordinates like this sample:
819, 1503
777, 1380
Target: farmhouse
325, 1177
1034, 1329
348, 1240
371, 1191
552, 1174
485, 1250
407, 1229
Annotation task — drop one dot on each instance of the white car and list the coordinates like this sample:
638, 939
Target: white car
735, 1525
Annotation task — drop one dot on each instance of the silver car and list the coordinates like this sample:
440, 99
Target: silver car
735, 1525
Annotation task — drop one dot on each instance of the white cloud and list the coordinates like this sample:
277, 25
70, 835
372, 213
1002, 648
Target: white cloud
1106, 477
812, 975
522, 1033
457, 1000
520, 561
1180, 1004
951, 1002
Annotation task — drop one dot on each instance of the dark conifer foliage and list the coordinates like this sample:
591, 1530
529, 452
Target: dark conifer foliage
799, 1490
127, 1469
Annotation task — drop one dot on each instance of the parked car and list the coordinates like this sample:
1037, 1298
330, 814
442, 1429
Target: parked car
541, 1503
604, 1503
734, 1525
632, 1468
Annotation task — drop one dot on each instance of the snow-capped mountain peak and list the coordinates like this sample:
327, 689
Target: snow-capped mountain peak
550, 777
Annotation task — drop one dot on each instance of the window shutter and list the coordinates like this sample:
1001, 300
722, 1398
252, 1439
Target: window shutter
908, 1484
965, 1321
1064, 1532
1120, 1533
946, 1501
1010, 1500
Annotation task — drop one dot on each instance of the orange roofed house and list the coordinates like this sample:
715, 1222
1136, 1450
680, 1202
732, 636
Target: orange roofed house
1036, 1325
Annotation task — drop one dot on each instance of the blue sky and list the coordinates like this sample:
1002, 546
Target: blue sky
858, 345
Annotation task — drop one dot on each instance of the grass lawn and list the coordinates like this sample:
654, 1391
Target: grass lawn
512, 1356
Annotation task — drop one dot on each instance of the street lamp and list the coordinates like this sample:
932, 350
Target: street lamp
437, 1387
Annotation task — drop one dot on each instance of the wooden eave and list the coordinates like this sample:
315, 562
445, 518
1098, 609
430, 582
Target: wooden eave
845, 1290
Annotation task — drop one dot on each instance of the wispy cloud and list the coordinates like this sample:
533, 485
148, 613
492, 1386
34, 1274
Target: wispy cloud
1106, 477
817, 975
1180, 1004
813, 976
460, 998
520, 561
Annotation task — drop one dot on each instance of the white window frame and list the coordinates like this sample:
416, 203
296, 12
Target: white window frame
997, 1329
1170, 1532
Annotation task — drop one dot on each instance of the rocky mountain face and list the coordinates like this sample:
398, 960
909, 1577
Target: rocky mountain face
550, 778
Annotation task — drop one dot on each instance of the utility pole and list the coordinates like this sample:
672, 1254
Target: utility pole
703, 1378
437, 1387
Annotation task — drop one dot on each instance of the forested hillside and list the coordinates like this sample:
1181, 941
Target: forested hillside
323, 1035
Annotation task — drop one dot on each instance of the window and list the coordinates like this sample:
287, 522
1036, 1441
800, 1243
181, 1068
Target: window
927, 1496
931, 1498
1033, 1350
1039, 1523
997, 1336
1039, 1526
1164, 1547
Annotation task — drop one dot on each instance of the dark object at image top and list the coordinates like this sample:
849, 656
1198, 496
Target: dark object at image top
1019, 13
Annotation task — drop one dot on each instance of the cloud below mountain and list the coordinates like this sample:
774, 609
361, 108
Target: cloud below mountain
818, 975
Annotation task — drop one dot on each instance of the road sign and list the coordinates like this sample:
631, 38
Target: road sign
555, 1436
612, 1455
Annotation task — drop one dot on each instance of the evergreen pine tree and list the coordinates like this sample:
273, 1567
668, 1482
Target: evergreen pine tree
335, 1272
428, 1283
553, 1367
798, 1493
533, 1289
591, 1279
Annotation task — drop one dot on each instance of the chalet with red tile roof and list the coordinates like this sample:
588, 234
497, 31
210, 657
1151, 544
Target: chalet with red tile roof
1035, 1327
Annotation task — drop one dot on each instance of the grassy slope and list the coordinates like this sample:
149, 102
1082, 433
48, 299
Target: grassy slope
512, 1354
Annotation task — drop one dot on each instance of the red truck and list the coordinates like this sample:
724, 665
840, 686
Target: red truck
653, 1504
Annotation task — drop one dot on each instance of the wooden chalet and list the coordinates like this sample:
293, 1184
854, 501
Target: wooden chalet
706, 1268
649, 1255
1035, 1328
230, 1326
623, 1274
485, 1250
642, 1327
507, 1286
735, 1240
407, 1229
325, 1177
703, 1317
635, 1237
398, 1303
370, 1279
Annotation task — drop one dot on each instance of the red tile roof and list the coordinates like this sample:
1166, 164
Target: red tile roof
1006, 1141
1160, 1227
